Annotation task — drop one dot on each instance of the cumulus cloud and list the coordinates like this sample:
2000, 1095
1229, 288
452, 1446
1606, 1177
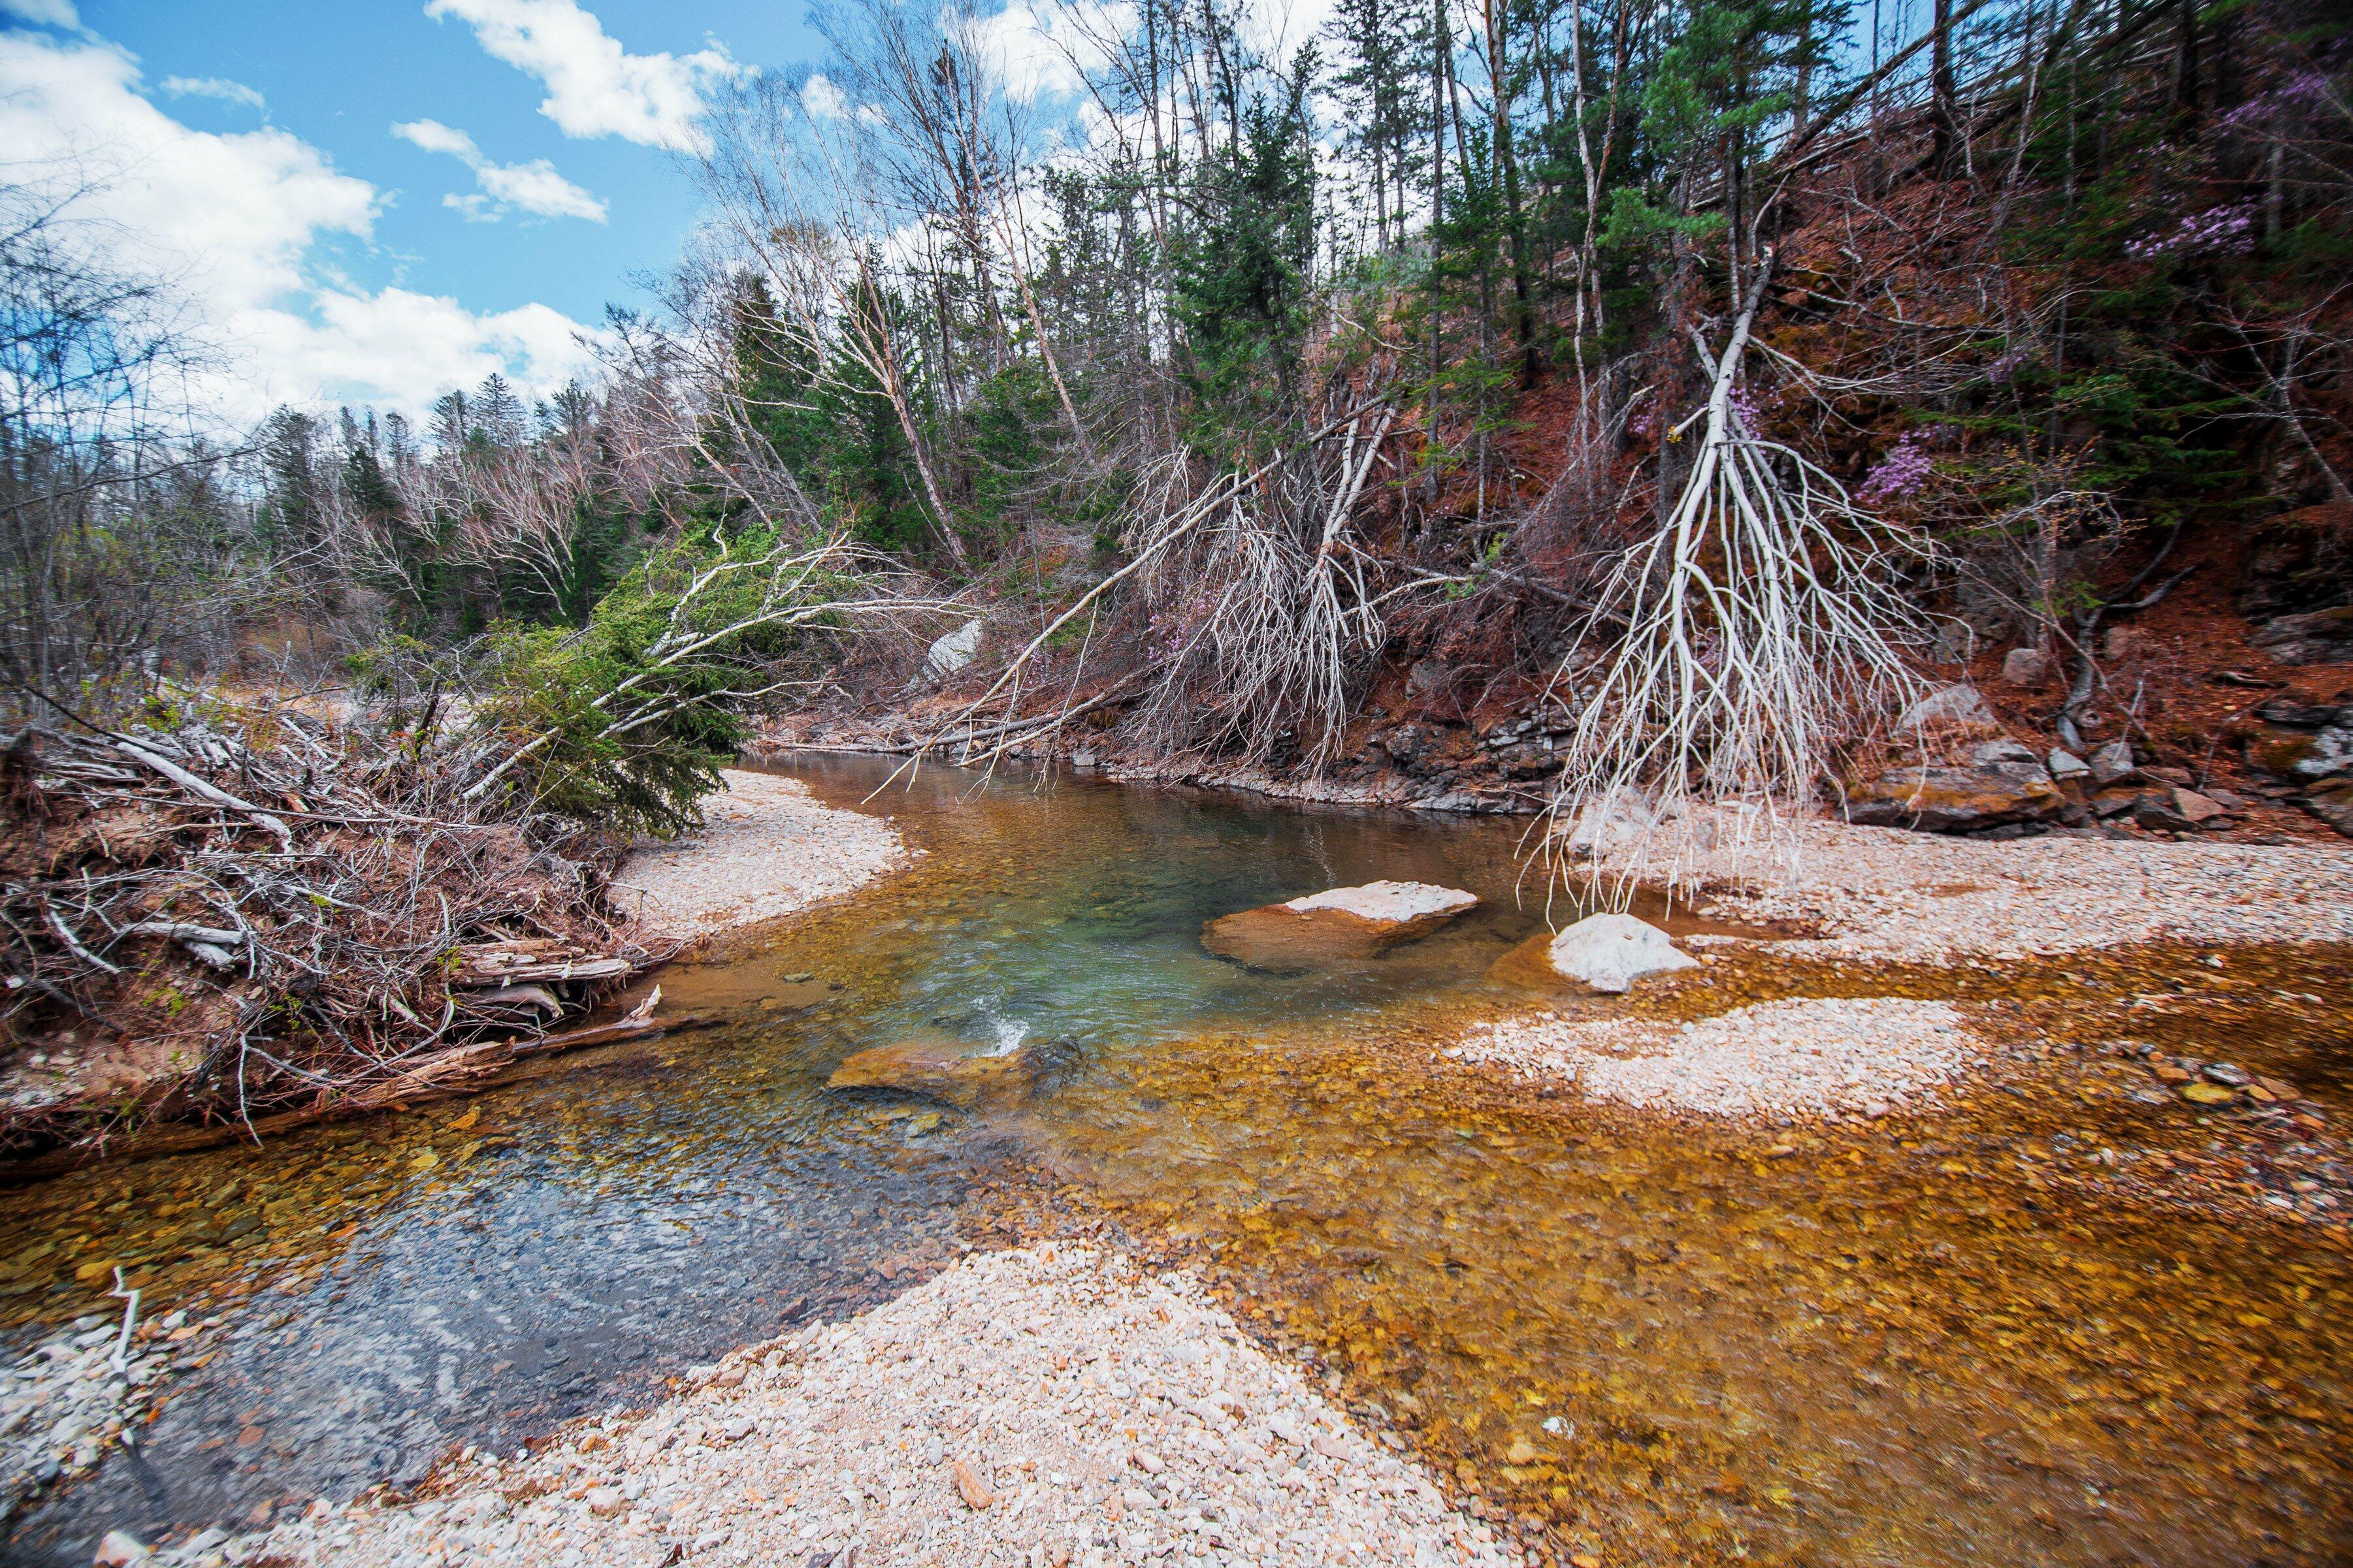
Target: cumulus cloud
535, 187
821, 99
594, 87
236, 224
219, 87
1039, 51
41, 13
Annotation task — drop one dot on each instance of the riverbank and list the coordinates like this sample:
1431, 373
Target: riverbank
1884, 893
1049, 1405
768, 849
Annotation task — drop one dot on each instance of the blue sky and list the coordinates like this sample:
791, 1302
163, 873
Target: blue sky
250, 151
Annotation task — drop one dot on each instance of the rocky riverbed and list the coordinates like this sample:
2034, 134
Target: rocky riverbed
1049, 1405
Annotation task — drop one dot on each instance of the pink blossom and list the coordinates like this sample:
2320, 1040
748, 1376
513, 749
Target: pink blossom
1903, 470
2217, 229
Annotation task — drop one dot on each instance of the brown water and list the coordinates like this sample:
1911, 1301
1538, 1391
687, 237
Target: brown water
1668, 1342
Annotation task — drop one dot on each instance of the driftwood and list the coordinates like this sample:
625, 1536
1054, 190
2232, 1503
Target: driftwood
447, 1075
307, 916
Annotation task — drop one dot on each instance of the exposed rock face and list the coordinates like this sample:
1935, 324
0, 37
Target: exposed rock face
2065, 765
2002, 784
2323, 636
954, 1072
1337, 925
1610, 953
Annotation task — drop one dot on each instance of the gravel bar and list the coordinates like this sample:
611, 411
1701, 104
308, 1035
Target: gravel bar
1829, 1058
1041, 1408
1885, 893
767, 850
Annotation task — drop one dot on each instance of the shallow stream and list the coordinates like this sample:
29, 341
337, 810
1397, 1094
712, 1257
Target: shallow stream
1857, 1345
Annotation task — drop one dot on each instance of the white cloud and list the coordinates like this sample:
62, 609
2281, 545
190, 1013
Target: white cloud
594, 87
42, 13
1039, 51
227, 91
397, 349
236, 224
535, 187
821, 99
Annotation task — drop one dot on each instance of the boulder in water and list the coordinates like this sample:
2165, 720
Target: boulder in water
954, 1072
1336, 925
1610, 953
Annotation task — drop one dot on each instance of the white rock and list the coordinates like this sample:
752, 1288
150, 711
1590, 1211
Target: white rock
1397, 902
1610, 952
2066, 764
951, 651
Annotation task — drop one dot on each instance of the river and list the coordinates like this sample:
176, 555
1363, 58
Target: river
1667, 1341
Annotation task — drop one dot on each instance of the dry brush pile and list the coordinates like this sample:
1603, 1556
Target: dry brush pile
256, 914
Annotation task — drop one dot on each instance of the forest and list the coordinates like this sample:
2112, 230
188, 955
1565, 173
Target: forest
1704, 375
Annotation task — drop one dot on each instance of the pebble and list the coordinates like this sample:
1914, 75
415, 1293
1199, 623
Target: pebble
63, 1402
1886, 893
972, 1420
766, 850
1867, 1055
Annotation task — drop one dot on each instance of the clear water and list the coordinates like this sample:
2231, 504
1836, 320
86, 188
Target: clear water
1665, 1342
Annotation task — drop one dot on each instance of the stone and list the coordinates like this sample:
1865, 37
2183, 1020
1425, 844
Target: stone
1609, 951
2191, 805
2114, 802
2004, 750
1958, 703
2331, 800
2113, 763
961, 1073
606, 1502
2002, 789
119, 1549
2025, 667
951, 651
2156, 811
2227, 1075
1602, 827
2203, 1093
969, 1487
2322, 637
2065, 764
1337, 925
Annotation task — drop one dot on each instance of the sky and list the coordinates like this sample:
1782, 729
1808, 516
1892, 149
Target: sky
374, 201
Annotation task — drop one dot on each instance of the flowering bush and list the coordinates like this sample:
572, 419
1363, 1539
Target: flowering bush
2224, 228
1903, 470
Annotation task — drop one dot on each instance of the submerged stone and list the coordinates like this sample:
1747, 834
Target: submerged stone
1335, 926
955, 1072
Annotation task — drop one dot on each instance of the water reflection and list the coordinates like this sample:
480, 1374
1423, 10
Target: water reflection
1672, 1341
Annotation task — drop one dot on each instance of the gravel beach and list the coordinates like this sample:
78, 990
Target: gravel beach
1039, 1407
1841, 1055
1886, 893
767, 850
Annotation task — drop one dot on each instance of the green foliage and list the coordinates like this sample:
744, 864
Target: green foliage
1241, 279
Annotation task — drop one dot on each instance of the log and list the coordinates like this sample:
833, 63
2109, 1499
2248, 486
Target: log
467, 1069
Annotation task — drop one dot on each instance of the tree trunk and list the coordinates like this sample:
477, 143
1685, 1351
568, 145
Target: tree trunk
1945, 112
